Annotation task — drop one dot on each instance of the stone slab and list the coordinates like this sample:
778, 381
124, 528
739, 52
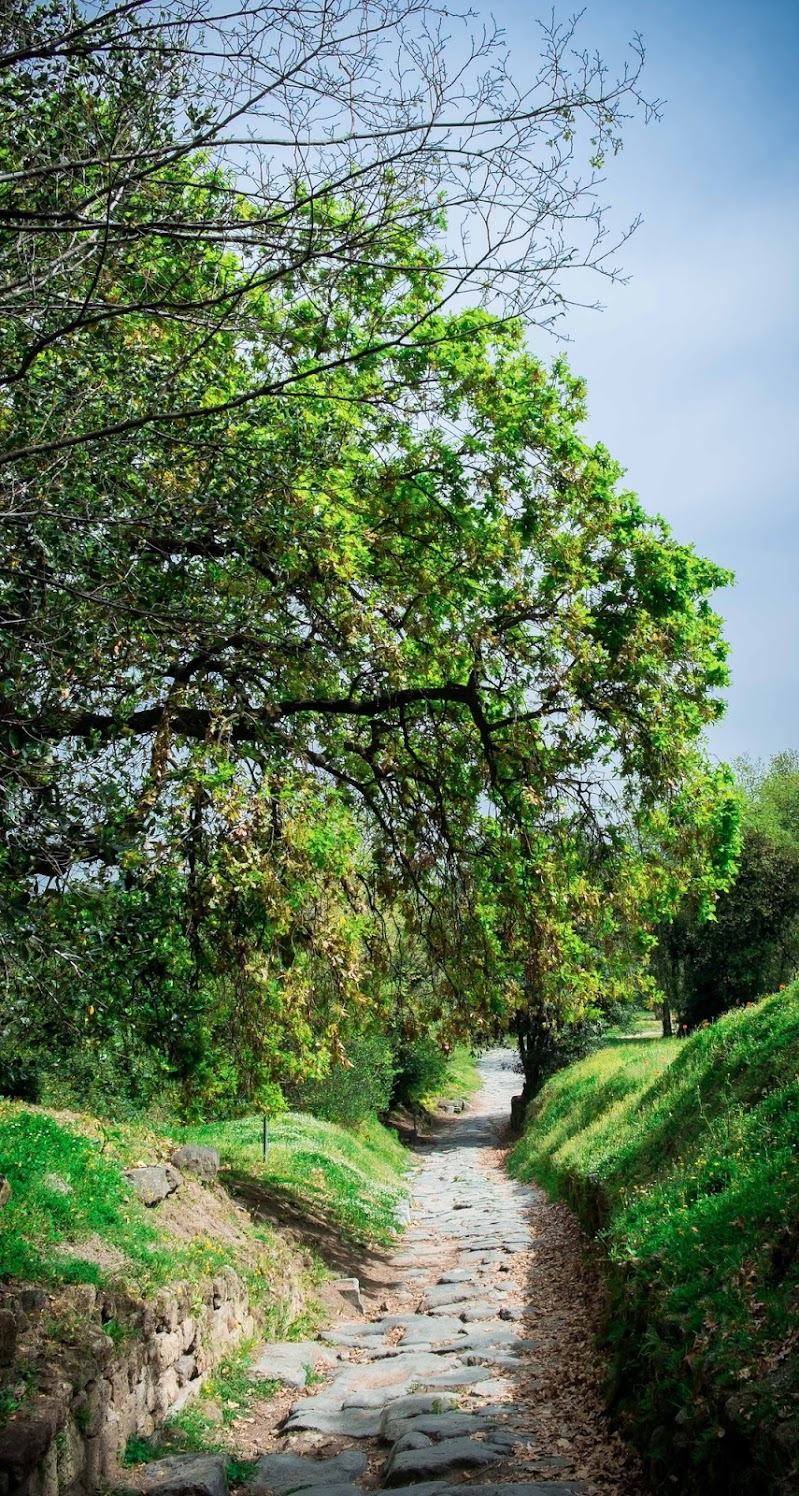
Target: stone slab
296, 1472
447, 1458
184, 1475
288, 1361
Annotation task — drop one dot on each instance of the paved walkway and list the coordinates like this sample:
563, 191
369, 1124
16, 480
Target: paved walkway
425, 1400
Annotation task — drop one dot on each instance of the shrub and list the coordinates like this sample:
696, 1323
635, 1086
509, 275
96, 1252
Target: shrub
421, 1070
20, 1078
350, 1094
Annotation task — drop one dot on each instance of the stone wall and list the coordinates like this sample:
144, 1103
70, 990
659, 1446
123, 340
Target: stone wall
97, 1388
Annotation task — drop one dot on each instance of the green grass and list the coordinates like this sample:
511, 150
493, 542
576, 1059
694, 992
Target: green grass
66, 1189
70, 1202
193, 1430
460, 1078
682, 1155
352, 1176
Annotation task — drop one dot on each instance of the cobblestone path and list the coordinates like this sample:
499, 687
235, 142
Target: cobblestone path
427, 1401
477, 1372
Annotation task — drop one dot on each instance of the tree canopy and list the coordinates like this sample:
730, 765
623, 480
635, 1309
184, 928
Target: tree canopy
336, 660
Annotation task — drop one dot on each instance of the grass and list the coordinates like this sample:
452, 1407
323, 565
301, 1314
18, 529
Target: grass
353, 1176
682, 1157
69, 1192
65, 1189
194, 1430
459, 1080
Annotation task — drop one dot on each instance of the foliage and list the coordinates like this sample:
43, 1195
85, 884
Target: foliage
751, 944
20, 1078
357, 1088
421, 1071
340, 628
350, 1177
683, 1156
461, 1076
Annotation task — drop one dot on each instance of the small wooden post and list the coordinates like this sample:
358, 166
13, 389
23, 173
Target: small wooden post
266, 1136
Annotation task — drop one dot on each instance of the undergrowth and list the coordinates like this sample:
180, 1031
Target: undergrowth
682, 1157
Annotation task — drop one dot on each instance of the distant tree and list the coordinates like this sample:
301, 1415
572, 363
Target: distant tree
750, 947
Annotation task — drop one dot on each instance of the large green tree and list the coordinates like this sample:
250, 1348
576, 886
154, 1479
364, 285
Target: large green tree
321, 620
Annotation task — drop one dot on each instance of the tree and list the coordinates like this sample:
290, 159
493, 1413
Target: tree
750, 946
448, 611
299, 140
293, 535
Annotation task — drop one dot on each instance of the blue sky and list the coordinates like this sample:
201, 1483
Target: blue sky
693, 368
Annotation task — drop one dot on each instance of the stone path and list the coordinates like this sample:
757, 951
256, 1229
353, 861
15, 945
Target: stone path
477, 1372
425, 1396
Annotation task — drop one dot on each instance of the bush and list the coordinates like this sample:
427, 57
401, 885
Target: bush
353, 1093
20, 1078
421, 1070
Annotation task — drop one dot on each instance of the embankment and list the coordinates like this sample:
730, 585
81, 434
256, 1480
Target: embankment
681, 1158
124, 1280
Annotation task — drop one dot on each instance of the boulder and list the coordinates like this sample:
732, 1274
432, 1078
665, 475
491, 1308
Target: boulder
185, 1475
191, 1158
153, 1182
350, 1289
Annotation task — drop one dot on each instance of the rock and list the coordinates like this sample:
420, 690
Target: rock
411, 1440
350, 1423
417, 1403
5, 1190
350, 1289
447, 1458
8, 1337
446, 1294
56, 1185
33, 1300
435, 1426
210, 1410
482, 1309
288, 1361
297, 1472
25, 1440
153, 1182
184, 1475
192, 1158
526, 1488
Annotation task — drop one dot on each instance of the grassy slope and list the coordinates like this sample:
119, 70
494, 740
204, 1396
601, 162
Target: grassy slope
68, 1188
460, 1079
354, 1176
684, 1155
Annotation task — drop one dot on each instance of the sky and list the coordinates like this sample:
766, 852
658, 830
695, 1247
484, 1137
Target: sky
693, 366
